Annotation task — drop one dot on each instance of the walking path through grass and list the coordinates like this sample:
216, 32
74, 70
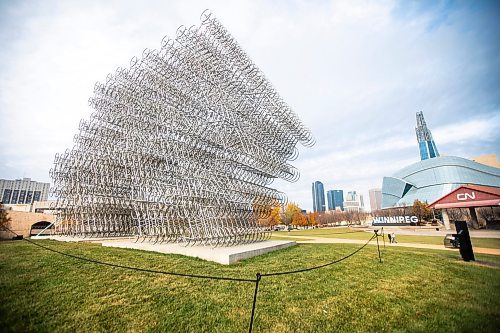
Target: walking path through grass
321, 240
357, 236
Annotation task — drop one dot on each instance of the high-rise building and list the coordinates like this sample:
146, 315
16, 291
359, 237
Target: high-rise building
318, 193
426, 144
353, 202
375, 199
23, 191
335, 199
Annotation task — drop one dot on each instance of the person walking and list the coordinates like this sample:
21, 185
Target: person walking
393, 237
390, 238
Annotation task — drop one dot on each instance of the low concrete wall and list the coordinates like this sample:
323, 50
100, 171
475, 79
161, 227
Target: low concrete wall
21, 223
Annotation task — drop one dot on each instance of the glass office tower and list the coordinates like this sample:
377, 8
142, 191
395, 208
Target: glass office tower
426, 144
318, 193
335, 199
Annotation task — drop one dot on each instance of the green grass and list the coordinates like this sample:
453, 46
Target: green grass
413, 290
492, 243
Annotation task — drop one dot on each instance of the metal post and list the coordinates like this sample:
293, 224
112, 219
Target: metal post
378, 247
254, 301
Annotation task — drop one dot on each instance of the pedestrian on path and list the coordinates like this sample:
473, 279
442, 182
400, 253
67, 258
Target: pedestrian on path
393, 238
390, 238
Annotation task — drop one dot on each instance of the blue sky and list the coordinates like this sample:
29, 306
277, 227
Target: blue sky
355, 72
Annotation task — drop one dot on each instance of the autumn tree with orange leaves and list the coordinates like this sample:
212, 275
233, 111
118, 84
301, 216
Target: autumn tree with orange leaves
312, 218
291, 210
299, 219
275, 217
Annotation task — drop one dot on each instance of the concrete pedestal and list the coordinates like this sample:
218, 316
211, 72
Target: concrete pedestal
221, 255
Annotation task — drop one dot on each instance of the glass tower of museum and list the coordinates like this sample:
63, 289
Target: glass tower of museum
318, 193
424, 137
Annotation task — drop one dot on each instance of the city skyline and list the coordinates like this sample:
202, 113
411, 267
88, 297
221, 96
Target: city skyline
355, 72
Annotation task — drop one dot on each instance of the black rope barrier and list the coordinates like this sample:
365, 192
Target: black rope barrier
135, 268
256, 280
320, 266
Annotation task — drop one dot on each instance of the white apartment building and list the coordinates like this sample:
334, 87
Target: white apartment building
354, 202
23, 191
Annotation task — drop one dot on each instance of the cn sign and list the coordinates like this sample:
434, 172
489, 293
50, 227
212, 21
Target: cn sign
465, 196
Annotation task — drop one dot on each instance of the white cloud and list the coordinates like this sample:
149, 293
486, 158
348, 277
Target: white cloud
482, 129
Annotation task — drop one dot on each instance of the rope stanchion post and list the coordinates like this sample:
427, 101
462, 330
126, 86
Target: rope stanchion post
378, 246
257, 280
383, 236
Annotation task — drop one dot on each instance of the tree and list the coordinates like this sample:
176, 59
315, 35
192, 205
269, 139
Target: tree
488, 214
290, 210
4, 219
275, 217
348, 217
455, 214
299, 219
312, 218
420, 210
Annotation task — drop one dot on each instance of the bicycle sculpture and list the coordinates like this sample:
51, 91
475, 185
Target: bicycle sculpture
181, 147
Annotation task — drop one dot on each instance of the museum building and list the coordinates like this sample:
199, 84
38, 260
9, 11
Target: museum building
431, 179
434, 176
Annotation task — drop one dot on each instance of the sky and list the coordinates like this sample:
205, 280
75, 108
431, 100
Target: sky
355, 72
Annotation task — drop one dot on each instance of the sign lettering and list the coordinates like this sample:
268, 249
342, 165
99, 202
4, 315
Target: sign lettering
465, 196
395, 219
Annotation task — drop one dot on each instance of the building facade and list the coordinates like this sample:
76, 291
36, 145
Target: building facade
375, 195
431, 179
23, 191
489, 160
354, 202
426, 144
318, 195
335, 199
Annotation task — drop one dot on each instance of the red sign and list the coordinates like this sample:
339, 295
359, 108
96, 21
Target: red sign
469, 196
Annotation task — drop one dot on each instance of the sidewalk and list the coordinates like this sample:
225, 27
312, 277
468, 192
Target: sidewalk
323, 240
441, 232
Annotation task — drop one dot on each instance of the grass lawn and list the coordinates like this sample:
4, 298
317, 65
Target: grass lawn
492, 243
413, 290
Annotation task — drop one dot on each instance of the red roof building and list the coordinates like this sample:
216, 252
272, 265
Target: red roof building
467, 196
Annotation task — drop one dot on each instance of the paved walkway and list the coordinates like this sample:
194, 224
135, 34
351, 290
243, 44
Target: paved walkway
483, 233
324, 240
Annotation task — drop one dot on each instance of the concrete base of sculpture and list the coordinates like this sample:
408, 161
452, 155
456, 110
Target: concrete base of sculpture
222, 255
83, 239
